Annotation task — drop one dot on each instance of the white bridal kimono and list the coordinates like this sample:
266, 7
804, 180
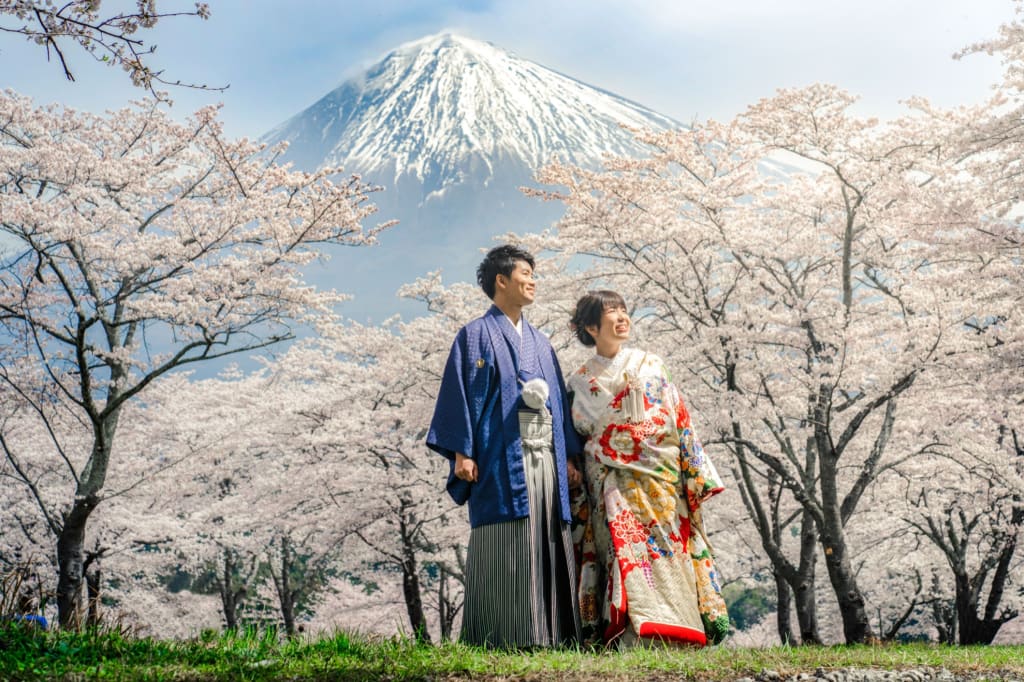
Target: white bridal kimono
646, 568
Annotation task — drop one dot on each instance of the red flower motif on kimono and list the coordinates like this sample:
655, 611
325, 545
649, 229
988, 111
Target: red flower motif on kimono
649, 401
694, 497
682, 536
620, 442
682, 416
616, 403
626, 529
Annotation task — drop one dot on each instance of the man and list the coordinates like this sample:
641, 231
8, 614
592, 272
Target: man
502, 419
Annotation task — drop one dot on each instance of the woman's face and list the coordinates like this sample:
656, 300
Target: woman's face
613, 330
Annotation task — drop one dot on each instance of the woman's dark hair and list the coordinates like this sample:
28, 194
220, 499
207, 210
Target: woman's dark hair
501, 260
589, 310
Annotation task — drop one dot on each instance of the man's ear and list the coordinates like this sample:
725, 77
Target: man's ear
500, 281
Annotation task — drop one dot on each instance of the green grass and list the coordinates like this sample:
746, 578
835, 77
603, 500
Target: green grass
30, 655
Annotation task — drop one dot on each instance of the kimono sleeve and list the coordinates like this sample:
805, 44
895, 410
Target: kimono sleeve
573, 446
697, 473
451, 429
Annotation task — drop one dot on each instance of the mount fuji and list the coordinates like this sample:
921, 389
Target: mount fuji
451, 127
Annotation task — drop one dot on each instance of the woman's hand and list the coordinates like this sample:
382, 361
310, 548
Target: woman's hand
575, 477
465, 468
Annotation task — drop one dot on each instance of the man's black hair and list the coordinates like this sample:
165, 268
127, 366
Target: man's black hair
501, 260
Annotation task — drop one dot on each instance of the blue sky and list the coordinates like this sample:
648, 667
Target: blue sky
689, 59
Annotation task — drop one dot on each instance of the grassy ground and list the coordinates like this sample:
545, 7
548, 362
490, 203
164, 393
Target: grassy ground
26, 655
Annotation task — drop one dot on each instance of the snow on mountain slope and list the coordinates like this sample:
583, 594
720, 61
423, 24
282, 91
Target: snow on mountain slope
451, 128
446, 109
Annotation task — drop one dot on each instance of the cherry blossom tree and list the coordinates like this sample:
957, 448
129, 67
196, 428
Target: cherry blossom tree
978, 535
979, 542
112, 39
319, 472
180, 503
369, 391
141, 246
244, 515
810, 267
199, 518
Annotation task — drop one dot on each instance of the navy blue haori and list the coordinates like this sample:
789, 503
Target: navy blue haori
477, 414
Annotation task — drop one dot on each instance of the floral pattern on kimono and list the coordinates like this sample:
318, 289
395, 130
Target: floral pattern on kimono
643, 556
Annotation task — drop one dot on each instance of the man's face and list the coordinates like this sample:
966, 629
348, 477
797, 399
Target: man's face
520, 286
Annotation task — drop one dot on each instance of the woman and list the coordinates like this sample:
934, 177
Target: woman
646, 567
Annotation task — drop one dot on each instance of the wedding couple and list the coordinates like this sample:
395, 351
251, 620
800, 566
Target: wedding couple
584, 495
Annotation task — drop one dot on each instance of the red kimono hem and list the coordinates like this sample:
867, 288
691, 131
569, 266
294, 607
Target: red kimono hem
674, 633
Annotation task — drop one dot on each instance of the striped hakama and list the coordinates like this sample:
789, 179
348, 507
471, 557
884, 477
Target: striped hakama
520, 574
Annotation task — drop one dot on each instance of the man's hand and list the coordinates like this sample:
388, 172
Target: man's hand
575, 477
465, 468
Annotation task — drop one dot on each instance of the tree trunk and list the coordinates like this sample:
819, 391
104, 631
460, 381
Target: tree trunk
983, 630
954, 533
285, 594
442, 604
972, 629
411, 587
230, 610
804, 580
70, 561
92, 584
445, 608
91, 573
229, 597
966, 610
783, 613
943, 614
945, 622
448, 606
71, 540
852, 608
977, 631
283, 584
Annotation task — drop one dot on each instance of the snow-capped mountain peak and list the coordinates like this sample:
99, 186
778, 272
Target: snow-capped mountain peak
452, 127
446, 106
